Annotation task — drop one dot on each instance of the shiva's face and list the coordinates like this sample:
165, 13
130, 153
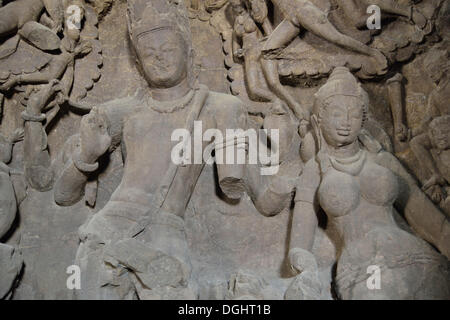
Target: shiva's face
341, 120
163, 56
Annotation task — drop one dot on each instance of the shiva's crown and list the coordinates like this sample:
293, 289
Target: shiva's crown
146, 16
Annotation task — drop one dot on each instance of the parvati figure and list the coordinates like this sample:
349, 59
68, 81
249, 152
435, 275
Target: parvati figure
356, 184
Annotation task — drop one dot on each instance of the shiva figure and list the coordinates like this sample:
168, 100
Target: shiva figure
136, 247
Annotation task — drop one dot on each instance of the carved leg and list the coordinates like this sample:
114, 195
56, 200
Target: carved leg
101, 276
421, 145
56, 11
9, 21
395, 92
270, 69
283, 34
124, 244
15, 14
316, 21
407, 11
255, 90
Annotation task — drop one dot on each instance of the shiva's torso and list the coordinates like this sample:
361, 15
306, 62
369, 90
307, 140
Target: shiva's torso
144, 131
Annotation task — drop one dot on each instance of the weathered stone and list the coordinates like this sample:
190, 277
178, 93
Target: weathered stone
115, 101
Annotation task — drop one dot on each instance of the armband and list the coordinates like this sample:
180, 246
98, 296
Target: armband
34, 118
83, 166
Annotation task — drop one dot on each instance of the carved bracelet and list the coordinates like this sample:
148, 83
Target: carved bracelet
34, 118
83, 166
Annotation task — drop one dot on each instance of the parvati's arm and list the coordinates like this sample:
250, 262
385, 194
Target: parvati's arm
423, 216
304, 219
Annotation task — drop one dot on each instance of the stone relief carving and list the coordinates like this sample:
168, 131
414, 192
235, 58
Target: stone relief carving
97, 89
60, 71
10, 258
357, 187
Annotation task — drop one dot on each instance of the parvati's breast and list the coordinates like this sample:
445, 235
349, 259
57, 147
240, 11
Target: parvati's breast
339, 193
379, 185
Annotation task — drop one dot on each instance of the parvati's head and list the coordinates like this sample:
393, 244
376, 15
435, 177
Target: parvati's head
340, 108
161, 38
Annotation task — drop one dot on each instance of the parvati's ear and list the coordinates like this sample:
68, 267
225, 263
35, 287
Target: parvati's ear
316, 129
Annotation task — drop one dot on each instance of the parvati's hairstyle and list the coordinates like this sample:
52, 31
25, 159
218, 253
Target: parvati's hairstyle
340, 83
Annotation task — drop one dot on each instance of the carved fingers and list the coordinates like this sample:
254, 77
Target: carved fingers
435, 179
434, 191
95, 140
302, 260
7, 85
17, 135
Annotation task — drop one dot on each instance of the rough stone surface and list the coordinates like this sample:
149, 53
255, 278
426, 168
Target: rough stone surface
95, 180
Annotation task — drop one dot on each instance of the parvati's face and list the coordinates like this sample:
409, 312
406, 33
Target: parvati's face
440, 136
341, 120
164, 58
